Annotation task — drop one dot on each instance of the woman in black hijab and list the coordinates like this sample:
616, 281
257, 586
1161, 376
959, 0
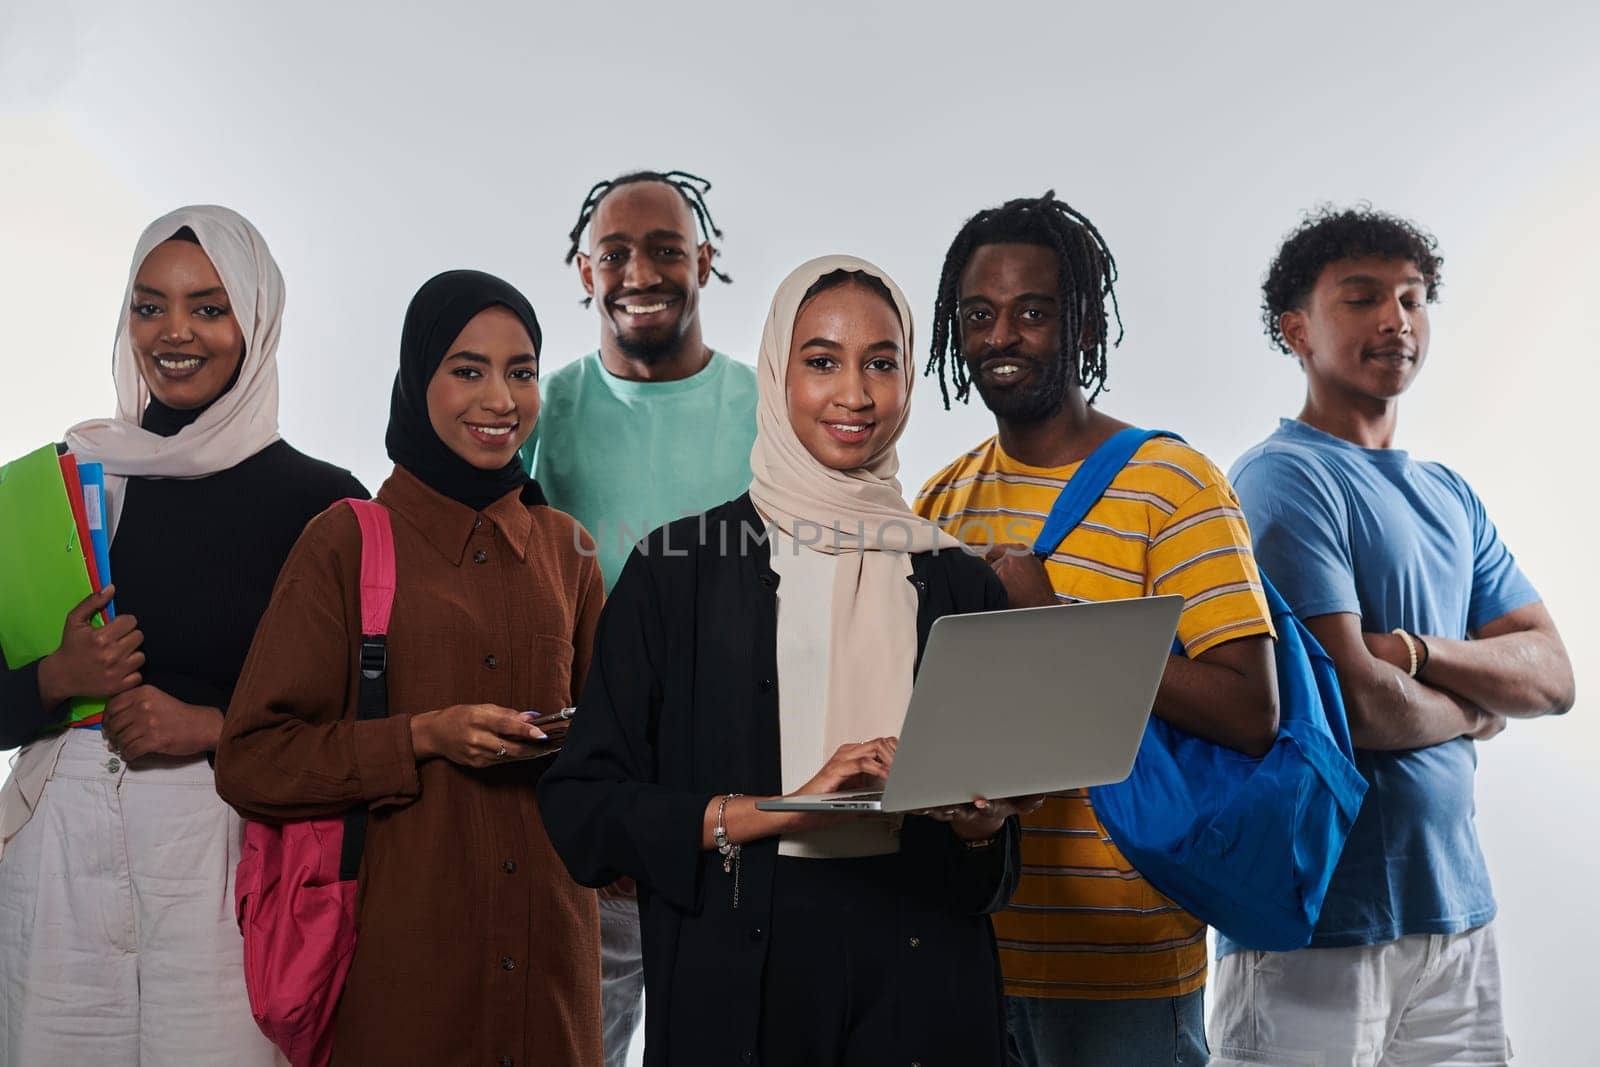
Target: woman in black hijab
474, 946
438, 313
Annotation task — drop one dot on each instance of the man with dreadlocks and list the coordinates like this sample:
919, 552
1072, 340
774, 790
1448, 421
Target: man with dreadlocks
1100, 968
653, 426
1437, 637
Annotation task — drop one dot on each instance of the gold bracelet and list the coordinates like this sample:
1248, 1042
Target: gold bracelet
1411, 647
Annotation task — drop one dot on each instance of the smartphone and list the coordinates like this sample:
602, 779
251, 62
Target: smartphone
553, 719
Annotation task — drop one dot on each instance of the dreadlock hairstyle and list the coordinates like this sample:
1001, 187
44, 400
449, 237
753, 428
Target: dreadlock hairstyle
1085, 278
691, 187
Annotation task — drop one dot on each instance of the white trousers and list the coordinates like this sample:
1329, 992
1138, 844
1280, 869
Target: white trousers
118, 944
621, 976
1424, 999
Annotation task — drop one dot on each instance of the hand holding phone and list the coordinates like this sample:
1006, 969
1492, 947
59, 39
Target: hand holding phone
555, 718
554, 725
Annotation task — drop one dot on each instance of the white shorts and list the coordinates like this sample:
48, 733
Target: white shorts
1424, 999
118, 943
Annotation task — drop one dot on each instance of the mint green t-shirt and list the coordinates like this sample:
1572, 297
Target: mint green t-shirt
625, 457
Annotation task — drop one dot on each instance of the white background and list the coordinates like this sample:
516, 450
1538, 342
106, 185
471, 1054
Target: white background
375, 144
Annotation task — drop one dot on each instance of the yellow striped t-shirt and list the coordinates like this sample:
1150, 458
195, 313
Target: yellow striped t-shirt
1083, 923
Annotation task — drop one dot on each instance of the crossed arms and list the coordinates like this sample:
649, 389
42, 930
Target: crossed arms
1514, 666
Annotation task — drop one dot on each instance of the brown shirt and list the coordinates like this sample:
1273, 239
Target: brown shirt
474, 946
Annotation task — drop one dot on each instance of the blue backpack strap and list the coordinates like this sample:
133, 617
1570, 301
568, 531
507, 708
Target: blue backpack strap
1089, 484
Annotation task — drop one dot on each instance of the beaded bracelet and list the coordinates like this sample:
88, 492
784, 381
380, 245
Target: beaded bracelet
1411, 647
729, 850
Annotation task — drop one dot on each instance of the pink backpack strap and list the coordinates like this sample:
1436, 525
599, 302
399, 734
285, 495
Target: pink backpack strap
372, 694
377, 565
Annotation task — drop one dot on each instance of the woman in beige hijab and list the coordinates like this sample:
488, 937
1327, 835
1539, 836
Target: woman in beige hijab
118, 942
741, 651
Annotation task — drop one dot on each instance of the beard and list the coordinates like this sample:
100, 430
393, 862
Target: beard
1034, 402
649, 349
655, 344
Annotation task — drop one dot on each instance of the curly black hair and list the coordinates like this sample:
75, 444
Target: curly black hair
1085, 282
1327, 234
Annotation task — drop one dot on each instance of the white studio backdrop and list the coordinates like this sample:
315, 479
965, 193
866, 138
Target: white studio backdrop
376, 144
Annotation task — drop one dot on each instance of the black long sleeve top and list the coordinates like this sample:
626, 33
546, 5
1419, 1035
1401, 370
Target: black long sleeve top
681, 705
194, 561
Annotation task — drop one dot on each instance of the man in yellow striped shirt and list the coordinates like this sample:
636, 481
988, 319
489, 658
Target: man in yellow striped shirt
1100, 968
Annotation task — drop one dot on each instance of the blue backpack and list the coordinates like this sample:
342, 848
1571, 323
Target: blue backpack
1247, 845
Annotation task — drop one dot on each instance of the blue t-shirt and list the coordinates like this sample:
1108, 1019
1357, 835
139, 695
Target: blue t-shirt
1372, 532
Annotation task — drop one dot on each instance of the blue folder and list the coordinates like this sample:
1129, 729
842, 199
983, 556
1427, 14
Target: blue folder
93, 477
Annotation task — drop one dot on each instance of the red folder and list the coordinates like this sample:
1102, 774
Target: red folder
69, 475
80, 515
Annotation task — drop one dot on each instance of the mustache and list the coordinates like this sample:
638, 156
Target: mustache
1013, 354
634, 294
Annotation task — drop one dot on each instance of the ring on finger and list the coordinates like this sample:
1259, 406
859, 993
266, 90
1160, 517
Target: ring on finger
502, 753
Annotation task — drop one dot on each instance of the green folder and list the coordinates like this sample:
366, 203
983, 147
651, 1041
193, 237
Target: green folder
42, 571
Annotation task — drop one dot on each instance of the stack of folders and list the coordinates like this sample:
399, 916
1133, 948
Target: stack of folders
54, 551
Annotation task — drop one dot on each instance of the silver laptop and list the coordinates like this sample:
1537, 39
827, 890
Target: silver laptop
1016, 703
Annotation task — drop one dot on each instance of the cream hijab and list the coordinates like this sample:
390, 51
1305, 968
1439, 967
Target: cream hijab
242, 421
866, 523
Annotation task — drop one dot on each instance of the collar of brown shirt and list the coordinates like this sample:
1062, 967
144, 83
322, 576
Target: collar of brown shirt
447, 524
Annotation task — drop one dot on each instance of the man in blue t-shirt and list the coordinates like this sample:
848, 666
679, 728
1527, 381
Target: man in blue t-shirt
1438, 639
652, 426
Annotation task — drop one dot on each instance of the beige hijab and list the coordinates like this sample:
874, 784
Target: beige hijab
864, 519
244, 420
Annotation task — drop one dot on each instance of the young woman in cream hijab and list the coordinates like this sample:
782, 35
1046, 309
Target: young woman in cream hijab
765, 648
118, 944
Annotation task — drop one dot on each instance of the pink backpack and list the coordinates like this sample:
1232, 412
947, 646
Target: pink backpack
295, 894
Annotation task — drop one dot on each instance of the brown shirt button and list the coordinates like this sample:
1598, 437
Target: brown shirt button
509, 866
490, 662
480, 556
507, 963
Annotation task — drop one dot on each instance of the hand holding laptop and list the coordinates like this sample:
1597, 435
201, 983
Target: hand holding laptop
1020, 702
983, 818
863, 765
866, 765
852, 768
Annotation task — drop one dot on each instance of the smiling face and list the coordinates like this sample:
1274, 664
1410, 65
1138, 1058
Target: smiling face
645, 270
1363, 332
1010, 320
846, 382
186, 341
484, 398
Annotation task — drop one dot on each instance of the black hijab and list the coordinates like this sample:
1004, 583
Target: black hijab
438, 313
